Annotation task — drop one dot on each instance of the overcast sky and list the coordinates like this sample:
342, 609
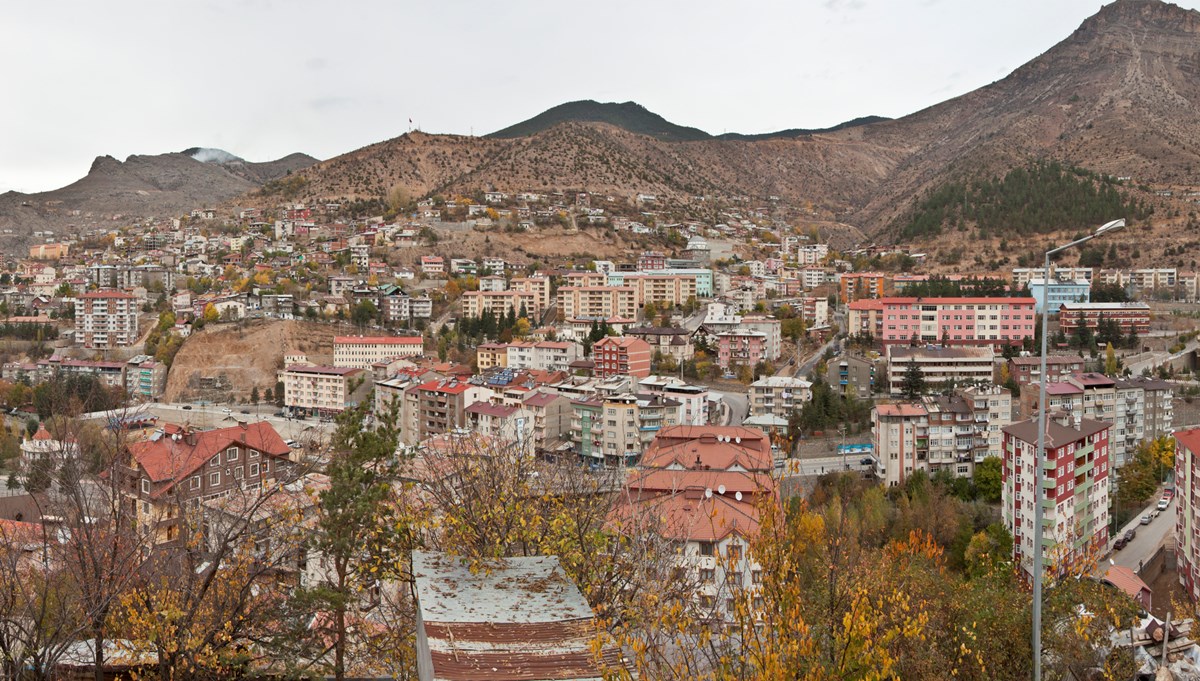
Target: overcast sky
264, 78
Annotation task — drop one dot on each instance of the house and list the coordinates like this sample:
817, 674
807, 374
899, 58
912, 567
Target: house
178, 464
619, 355
433, 265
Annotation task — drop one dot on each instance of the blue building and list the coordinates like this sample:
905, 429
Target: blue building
1050, 298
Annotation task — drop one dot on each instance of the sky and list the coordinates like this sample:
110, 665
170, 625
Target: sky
265, 78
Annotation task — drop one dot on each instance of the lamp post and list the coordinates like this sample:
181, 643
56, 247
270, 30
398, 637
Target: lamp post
1040, 453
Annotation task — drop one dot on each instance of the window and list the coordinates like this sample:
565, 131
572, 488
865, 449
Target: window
215, 461
253, 453
237, 473
756, 576
706, 575
231, 454
214, 478
253, 470
145, 486
195, 482
706, 548
734, 552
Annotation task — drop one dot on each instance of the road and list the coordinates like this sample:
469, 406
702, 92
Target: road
1160, 357
1148, 537
693, 322
805, 369
737, 407
824, 464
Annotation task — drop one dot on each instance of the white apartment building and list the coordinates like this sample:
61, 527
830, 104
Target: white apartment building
360, 352
319, 389
543, 355
940, 365
1021, 276
992, 408
601, 302
778, 396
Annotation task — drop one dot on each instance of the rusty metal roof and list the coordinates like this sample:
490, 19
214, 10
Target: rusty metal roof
516, 619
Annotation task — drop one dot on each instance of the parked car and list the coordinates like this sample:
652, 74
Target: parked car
1130, 534
227, 410
1169, 493
868, 461
187, 406
245, 411
1163, 503
1146, 520
1120, 543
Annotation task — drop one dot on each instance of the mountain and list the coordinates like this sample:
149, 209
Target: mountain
803, 132
1120, 96
142, 186
629, 116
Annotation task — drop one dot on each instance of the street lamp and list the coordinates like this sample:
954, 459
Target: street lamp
1040, 453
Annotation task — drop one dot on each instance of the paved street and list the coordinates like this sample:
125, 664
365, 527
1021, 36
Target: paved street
1148, 537
824, 464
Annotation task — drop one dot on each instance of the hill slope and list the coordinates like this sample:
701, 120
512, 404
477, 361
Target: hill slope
1120, 96
141, 186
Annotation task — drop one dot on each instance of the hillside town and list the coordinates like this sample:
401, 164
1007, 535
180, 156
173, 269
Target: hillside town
681, 392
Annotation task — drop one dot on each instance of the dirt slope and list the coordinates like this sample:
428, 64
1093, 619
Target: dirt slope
223, 362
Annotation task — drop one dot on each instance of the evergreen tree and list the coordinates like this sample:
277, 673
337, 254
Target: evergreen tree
913, 385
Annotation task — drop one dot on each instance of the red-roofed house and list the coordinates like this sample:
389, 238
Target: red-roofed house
700, 486
179, 464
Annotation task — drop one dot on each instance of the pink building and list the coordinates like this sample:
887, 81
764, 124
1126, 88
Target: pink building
652, 260
960, 321
746, 348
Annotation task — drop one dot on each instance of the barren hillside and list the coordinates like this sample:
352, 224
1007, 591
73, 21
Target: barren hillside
224, 362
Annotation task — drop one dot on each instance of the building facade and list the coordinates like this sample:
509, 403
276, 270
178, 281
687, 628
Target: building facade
106, 319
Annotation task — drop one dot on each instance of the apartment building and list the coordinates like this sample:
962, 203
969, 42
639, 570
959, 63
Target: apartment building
1130, 317
855, 376
179, 464
500, 303
865, 318
693, 399
900, 433
991, 408
613, 431
771, 328
539, 287
437, 407
809, 254
1050, 297
778, 396
145, 378
542, 355
652, 260
956, 321
1075, 493
1187, 509
666, 288
621, 355
601, 302
360, 352
106, 319
313, 389
741, 348
1021, 276
1027, 370
940, 365
854, 286
491, 356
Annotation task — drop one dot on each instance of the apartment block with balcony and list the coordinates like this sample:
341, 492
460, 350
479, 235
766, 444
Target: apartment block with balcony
741, 348
311, 389
600, 302
1130, 317
1187, 509
855, 376
900, 433
1074, 494
778, 396
621, 355
991, 407
106, 319
360, 352
940, 365
956, 321
500, 303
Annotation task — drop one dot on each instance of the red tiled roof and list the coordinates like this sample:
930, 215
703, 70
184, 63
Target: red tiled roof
168, 458
1189, 438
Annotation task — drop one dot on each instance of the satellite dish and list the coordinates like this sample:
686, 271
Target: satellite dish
720, 489
708, 493
738, 439
737, 495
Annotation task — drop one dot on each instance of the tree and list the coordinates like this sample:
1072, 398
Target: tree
358, 528
364, 313
254, 397
210, 314
913, 385
987, 479
649, 312
1111, 367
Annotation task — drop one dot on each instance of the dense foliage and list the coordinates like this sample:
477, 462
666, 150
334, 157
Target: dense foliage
1039, 198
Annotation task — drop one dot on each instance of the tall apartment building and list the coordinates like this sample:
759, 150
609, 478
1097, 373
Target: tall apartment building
666, 287
539, 286
1075, 493
601, 302
1021, 276
854, 286
856, 376
621, 355
771, 328
1187, 510
958, 321
437, 407
865, 318
106, 319
360, 352
991, 406
1026, 370
900, 433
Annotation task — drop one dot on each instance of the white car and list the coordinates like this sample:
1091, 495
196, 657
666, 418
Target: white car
227, 410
